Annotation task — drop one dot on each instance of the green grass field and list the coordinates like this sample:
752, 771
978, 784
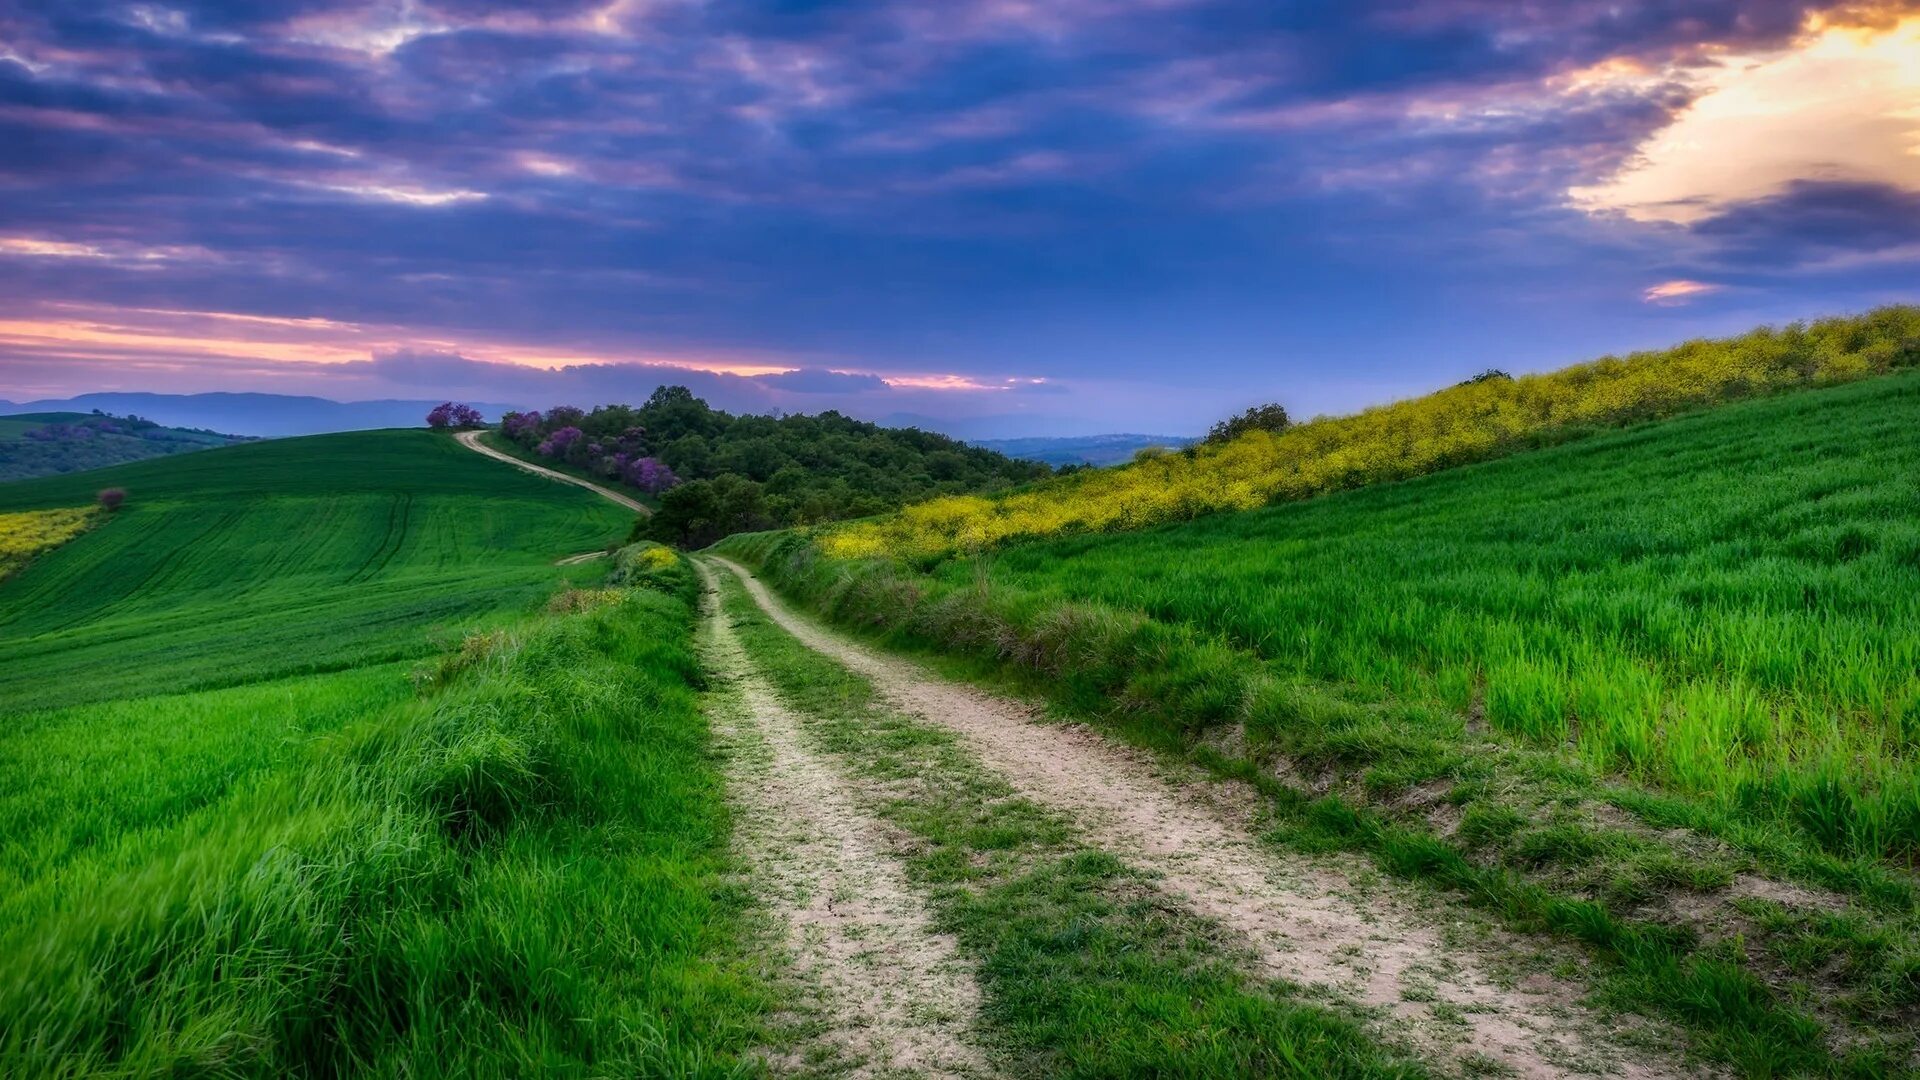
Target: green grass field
304, 772
1590, 687
312, 762
1723, 606
517, 871
1720, 606
296, 555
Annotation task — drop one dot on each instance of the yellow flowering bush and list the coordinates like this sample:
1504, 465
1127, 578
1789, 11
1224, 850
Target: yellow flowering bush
27, 533
657, 558
1461, 424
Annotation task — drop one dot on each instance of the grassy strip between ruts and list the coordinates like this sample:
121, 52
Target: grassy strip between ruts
521, 869
1753, 1014
1087, 969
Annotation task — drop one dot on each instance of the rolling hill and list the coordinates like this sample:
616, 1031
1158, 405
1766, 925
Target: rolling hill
1597, 748
1618, 688
313, 763
277, 557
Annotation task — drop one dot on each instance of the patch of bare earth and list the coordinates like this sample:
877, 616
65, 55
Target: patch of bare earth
892, 997
1430, 972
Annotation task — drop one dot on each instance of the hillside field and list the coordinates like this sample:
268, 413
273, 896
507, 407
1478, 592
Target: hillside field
323, 757
1521, 677
274, 558
422, 780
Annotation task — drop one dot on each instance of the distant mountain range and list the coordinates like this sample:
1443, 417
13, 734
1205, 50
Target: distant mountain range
251, 414
1082, 449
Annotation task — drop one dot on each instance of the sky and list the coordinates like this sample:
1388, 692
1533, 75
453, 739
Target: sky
1004, 216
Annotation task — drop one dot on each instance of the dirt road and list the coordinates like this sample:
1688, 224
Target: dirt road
471, 440
1443, 980
892, 996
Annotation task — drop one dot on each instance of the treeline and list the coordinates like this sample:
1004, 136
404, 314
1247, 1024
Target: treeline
42, 444
1260, 459
714, 473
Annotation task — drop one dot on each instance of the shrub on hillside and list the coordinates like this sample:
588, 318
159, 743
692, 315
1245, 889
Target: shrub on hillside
111, 498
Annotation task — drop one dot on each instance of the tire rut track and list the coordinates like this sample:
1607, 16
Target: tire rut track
895, 994
1305, 919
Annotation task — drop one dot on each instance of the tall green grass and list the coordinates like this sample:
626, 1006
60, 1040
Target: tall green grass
1721, 606
521, 870
298, 555
1704, 622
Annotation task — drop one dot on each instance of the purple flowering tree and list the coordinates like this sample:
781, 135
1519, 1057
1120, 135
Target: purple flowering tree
650, 475
452, 414
522, 427
560, 443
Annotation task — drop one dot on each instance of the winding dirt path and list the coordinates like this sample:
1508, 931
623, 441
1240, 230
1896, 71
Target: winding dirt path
894, 995
471, 440
1307, 921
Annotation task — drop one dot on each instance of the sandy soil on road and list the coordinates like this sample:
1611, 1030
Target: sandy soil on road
471, 440
1379, 946
895, 996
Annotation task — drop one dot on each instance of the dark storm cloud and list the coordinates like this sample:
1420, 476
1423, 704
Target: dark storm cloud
1814, 221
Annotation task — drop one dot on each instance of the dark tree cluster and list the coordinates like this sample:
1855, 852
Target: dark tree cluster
92, 427
76, 442
1267, 417
715, 473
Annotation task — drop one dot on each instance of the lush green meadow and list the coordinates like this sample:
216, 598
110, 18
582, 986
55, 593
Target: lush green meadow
298, 555
1517, 678
1726, 605
517, 869
1722, 605
313, 763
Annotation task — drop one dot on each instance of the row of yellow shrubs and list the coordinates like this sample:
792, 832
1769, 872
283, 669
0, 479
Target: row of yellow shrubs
1465, 423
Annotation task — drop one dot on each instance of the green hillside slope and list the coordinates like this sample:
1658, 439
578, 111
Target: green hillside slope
1721, 605
1602, 688
271, 558
348, 874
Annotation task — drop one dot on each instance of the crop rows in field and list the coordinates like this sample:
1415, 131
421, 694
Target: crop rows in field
275, 558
